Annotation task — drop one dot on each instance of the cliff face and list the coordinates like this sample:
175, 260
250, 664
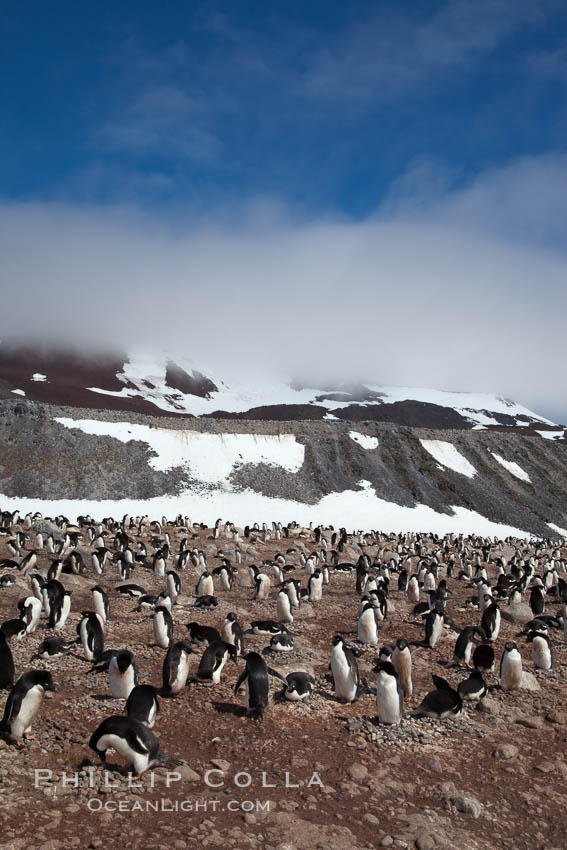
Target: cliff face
516, 478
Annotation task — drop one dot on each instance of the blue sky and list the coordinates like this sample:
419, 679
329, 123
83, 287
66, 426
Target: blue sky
362, 161
325, 105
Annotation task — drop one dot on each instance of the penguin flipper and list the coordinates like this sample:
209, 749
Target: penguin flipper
277, 675
135, 743
240, 681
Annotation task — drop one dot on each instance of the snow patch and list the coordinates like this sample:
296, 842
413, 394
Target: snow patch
18, 392
558, 529
512, 467
447, 455
210, 458
37, 376
353, 509
364, 440
551, 435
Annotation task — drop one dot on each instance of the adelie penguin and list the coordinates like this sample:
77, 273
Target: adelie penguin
541, 650
267, 627
23, 703
131, 739
510, 668
255, 676
433, 627
283, 608
213, 660
205, 585
100, 602
483, 658
298, 686
464, 645
202, 635
175, 668
389, 694
473, 688
231, 632
173, 585
344, 668
122, 674
91, 633
442, 703
13, 628
282, 642
143, 705
163, 626
490, 623
60, 610
367, 629
52, 647
315, 586
401, 662
30, 611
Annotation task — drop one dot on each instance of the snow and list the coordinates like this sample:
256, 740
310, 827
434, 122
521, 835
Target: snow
364, 440
210, 458
551, 435
512, 467
18, 392
353, 509
37, 376
558, 529
447, 455
256, 390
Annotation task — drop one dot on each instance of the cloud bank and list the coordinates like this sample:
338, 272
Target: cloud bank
460, 289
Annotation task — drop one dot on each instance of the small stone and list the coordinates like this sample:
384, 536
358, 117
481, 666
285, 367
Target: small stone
221, 764
188, 773
506, 751
387, 841
434, 763
358, 772
529, 682
250, 819
424, 841
530, 722
544, 767
489, 706
370, 818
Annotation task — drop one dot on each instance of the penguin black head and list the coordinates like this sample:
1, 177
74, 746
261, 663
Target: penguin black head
401, 644
338, 639
231, 616
124, 660
509, 646
43, 678
386, 667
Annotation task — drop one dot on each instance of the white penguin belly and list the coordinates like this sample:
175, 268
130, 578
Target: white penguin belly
120, 683
367, 631
387, 700
138, 761
181, 677
28, 710
65, 609
541, 655
345, 685
160, 632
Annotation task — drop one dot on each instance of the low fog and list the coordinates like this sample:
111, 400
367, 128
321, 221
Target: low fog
461, 290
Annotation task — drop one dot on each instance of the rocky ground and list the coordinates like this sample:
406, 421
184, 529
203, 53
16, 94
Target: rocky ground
494, 778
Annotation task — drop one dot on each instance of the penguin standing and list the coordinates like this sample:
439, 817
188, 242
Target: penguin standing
490, 623
262, 586
433, 626
213, 660
315, 586
23, 703
413, 590
205, 585
389, 694
231, 632
122, 674
255, 676
163, 626
30, 612
173, 585
131, 739
92, 635
401, 662
541, 650
283, 608
510, 668
464, 645
345, 670
143, 705
60, 610
7, 668
367, 629
483, 658
176, 668
100, 602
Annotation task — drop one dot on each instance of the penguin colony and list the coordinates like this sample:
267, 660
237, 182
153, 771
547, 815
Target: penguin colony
162, 569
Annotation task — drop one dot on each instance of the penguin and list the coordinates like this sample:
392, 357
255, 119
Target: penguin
173, 585
401, 662
413, 590
464, 645
257, 685
282, 642
315, 586
231, 632
293, 589
442, 703
30, 611
283, 608
267, 627
403, 580
132, 590
91, 634
37, 582
52, 647
59, 611
433, 627
389, 694
490, 623
23, 703
205, 585
262, 586
7, 580
298, 686
510, 668
483, 658
13, 628
541, 650
176, 668
345, 670
122, 674
163, 626
473, 688
206, 602
202, 635
100, 602
131, 739
7, 668
164, 599
143, 705
50, 591
213, 660
367, 629
537, 600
